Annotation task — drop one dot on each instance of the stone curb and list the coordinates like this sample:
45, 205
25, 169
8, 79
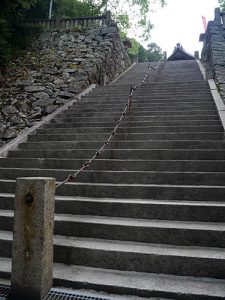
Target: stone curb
202, 68
12, 145
215, 94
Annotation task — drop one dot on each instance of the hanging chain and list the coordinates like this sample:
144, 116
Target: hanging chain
72, 177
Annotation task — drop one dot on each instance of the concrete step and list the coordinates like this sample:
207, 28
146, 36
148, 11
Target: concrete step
181, 233
198, 211
125, 125
130, 120
159, 112
150, 117
145, 129
133, 154
139, 136
110, 114
152, 93
130, 177
134, 256
135, 130
117, 164
120, 144
139, 101
142, 191
137, 106
131, 283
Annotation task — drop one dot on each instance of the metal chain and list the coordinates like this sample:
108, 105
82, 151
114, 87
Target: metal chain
98, 153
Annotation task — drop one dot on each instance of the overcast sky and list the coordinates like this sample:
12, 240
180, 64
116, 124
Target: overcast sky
180, 21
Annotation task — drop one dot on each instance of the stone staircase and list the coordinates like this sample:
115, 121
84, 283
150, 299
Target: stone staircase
148, 217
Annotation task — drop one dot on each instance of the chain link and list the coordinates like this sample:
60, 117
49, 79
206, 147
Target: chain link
72, 177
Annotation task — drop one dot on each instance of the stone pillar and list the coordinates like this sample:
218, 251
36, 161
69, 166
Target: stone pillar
32, 253
223, 18
196, 55
108, 17
217, 18
164, 56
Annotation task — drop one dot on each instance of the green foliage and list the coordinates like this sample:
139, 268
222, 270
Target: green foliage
152, 54
222, 4
11, 14
64, 9
5, 47
125, 12
135, 12
75, 8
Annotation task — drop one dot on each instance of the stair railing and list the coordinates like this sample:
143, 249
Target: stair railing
72, 177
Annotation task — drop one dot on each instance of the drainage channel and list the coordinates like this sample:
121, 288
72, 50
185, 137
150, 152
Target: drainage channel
56, 294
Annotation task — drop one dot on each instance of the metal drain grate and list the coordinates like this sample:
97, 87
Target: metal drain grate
4, 291
69, 295
55, 294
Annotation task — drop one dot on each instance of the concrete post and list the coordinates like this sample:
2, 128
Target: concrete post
32, 253
223, 18
196, 55
217, 18
108, 17
164, 56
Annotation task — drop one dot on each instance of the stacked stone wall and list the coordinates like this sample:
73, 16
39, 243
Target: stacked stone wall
213, 53
59, 65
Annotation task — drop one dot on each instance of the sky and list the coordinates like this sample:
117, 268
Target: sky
180, 21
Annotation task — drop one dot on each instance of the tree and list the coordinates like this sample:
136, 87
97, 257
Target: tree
154, 52
131, 14
222, 4
138, 52
11, 14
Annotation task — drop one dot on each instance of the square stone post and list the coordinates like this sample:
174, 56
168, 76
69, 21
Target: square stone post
196, 55
32, 252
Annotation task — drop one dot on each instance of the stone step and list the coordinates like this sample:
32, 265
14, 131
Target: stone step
121, 144
135, 256
142, 191
102, 136
201, 211
180, 233
156, 86
142, 154
135, 111
198, 211
145, 99
183, 233
129, 132
117, 164
127, 125
131, 283
107, 114
153, 112
131, 120
157, 92
176, 85
188, 91
139, 101
129, 177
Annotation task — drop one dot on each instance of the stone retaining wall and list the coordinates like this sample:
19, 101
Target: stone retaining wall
213, 53
58, 66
